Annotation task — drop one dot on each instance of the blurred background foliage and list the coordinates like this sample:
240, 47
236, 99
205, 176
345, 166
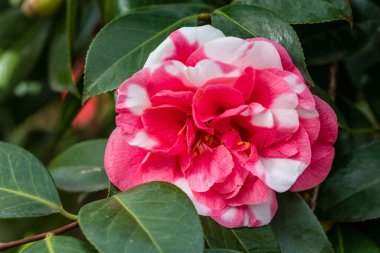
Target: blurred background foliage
43, 46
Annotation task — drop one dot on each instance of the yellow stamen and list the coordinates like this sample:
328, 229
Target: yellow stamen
182, 130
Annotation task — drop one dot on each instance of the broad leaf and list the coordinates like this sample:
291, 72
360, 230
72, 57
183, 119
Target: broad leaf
115, 8
247, 240
119, 50
154, 217
26, 188
352, 192
346, 239
249, 21
59, 244
305, 11
297, 228
81, 168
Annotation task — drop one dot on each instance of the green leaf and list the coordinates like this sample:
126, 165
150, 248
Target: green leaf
249, 21
59, 65
154, 217
80, 168
296, 227
247, 240
352, 192
116, 8
59, 244
305, 11
26, 188
119, 50
346, 239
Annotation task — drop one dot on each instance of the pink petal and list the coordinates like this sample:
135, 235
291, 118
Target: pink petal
329, 123
212, 101
121, 161
238, 52
164, 124
247, 215
132, 95
253, 192
168, 97
208, 168
182, 43
156, 167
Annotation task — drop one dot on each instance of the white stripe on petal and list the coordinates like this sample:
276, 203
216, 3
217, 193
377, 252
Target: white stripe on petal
286, 118
295, 83
263, 212
142, 140
137, 99
183, 185
279, 173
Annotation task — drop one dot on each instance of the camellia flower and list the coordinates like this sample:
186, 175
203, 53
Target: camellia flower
229, 121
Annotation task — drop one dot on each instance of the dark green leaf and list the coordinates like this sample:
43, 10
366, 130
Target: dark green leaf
249, 21
296, 227
80, 168
154, 217
119, 49
26, 188
59, 244
305, 11
247, 240
346, 239
352, 192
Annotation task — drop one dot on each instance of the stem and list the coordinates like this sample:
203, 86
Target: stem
313, 201
332, 85
57, 231
68, 215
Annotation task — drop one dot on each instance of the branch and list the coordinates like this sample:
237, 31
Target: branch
57, 231
333, 69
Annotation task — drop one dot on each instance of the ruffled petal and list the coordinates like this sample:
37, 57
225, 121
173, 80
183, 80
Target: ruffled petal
182, 43
121, 161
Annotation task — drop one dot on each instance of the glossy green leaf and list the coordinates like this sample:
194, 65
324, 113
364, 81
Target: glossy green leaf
154, 217
116, 8
346, 239
119, 50
305, 11
26, 188
59, 244
80, 168
249, 21
352, 192
297, 228
247, 240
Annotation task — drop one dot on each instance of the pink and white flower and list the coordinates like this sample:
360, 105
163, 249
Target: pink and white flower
229, 121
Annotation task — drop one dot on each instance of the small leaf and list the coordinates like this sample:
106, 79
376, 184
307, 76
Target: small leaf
305, 11
80, 168
59, 244
346, 239
249, 21
247, 240
154, 217
296, 227
26, 188
351, 192
119, 50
